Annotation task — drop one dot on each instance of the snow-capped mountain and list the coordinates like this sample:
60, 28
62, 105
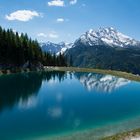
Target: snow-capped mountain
65, 47
106, 49
55, 48
103, 36
102, 83
107, 36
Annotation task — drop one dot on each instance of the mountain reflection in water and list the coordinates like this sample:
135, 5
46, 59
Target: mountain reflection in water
49, 103
22, 89
100, 82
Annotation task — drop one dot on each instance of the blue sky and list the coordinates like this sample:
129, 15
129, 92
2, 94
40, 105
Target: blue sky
66, 20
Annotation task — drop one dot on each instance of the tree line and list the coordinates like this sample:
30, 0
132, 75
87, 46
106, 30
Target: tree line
18, 49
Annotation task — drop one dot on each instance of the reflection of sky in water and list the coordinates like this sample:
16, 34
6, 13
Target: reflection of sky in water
58, 102
55, 112
98, 82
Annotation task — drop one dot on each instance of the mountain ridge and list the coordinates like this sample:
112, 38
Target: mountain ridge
55, 48
107, 36
106, 49
102, 37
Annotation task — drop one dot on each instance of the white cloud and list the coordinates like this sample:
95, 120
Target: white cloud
42, 35
23, 15
53, 35
60, 20
72, 2
59, 3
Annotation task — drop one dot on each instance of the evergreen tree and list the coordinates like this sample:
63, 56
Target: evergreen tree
16, 50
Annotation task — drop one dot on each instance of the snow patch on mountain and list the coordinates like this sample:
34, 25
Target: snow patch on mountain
107, 36
55, 48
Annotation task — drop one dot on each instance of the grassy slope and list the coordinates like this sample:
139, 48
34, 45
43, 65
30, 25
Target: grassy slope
111, 72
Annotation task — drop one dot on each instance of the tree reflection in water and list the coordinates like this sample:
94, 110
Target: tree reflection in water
17, 87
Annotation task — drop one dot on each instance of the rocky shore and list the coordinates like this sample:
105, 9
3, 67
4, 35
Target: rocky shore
130, 135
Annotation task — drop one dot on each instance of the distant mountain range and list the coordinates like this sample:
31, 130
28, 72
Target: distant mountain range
54, 48
104, 36
105, 48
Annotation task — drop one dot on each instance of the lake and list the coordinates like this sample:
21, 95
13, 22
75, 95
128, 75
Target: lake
66, 105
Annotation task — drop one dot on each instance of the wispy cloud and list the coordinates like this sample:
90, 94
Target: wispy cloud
53, 35
72, 2
60, 20
42, 35
59, 3
23, 15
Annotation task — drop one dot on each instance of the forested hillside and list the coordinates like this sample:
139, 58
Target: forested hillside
105, 57
18, 50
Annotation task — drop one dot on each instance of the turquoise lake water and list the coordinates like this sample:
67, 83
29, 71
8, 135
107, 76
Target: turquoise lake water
56, 104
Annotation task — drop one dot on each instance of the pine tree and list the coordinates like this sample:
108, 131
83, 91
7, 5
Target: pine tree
16, 50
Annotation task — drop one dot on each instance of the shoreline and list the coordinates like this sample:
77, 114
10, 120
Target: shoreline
91, 134
18, 70
120, 74
129, 135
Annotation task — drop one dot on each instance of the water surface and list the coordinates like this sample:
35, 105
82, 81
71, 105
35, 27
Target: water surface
56, 104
